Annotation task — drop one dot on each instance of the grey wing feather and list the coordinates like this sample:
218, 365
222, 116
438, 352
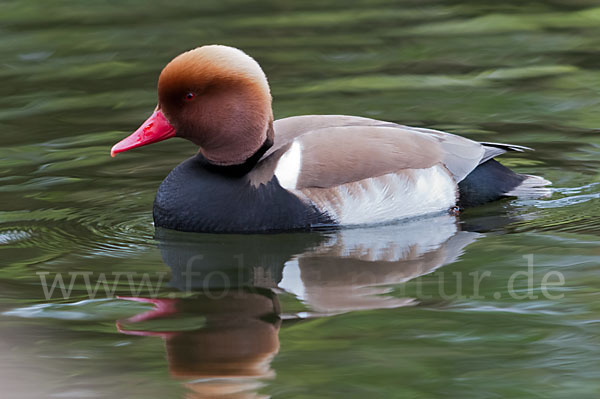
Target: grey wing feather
507, 147
461, 156
492, 150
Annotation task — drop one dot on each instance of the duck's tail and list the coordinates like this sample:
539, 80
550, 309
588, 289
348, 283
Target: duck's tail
491, 180
531, 187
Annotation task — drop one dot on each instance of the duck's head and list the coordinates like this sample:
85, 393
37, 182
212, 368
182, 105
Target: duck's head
215, 96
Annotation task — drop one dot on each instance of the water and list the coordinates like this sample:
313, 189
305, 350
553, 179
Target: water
424, 309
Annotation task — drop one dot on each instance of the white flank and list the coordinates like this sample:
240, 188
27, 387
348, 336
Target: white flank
288, 167
393, 196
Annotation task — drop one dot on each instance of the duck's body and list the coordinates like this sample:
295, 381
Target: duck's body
304, 172
304, 182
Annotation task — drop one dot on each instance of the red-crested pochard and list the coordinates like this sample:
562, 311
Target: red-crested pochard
254, 174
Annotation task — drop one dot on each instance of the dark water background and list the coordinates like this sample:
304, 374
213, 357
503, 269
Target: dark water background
379, 312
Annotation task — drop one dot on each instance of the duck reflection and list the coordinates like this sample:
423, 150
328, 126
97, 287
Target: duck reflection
229, 352
233, 282
355, 268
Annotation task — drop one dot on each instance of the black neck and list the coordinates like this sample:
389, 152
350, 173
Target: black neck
239, 169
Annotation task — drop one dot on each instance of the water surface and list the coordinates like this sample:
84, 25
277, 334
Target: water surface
423, 309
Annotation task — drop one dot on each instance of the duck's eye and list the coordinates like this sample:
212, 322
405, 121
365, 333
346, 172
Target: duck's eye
190, 96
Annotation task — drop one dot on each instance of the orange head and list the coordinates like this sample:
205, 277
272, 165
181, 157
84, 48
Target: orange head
215, 96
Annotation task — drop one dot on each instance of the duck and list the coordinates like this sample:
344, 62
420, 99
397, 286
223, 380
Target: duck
254, 174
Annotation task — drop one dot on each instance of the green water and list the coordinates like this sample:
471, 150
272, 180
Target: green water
443, 307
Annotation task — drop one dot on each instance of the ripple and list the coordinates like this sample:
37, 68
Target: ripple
11, 236
561, 202
89, 309
61, 231
576, 210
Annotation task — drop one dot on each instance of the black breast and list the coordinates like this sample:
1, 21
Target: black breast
198, 197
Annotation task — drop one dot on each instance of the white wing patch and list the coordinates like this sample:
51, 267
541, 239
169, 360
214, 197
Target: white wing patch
389, 197
288, 167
